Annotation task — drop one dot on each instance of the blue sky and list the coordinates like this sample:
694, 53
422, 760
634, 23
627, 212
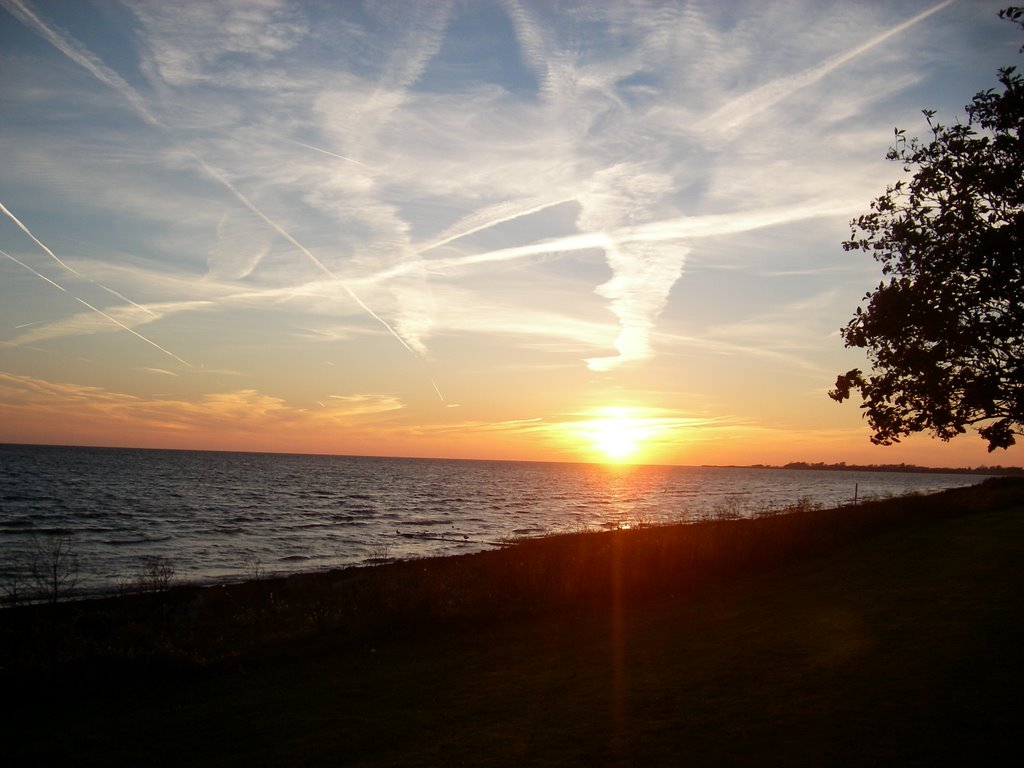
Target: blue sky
481, 229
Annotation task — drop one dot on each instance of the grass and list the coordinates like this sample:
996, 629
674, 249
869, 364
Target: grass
882, 634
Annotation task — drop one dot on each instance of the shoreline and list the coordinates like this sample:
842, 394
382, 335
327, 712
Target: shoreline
142, 585
529, 576
123, 511
102, 571
814, 638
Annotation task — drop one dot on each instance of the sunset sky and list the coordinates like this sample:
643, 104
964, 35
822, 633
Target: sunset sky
480, 229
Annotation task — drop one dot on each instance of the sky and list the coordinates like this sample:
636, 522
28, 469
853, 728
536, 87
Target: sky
499, 230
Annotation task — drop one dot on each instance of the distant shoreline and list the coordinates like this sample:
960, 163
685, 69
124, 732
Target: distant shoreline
994, 471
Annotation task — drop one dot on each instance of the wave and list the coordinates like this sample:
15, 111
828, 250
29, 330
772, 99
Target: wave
16, 524
138, 541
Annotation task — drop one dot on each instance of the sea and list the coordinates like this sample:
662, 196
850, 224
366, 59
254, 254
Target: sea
215, 517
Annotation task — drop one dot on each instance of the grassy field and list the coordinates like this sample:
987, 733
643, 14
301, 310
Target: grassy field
885, 634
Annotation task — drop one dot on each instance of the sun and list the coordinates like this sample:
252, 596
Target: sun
616, 439
621, 434
616, 436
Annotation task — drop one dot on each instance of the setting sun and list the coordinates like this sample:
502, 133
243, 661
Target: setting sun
617, 437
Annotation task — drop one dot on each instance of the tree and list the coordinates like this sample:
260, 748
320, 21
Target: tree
944, 330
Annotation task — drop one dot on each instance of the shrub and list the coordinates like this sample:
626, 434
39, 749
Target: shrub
157, 573
52, 566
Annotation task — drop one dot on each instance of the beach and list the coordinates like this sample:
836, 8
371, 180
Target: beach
886, 633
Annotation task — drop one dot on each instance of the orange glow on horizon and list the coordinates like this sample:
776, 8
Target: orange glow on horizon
35, 410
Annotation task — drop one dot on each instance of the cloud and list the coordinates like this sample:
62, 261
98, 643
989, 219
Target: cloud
730, 117
409, 62
109, 320
81, 56
39, 333
361, 405
642, 273
491, 216
244, 410
239, 248
223, 43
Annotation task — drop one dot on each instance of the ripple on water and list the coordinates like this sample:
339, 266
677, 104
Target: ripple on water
210, 511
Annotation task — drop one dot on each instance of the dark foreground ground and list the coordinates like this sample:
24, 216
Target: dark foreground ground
886, 634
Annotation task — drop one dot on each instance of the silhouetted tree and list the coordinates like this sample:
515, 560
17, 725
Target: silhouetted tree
944, 330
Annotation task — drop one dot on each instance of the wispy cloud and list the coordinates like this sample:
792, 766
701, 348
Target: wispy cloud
302, 249
35, 335
81, 56
111, 319
492, 216
244, 410
72, 270
732, 115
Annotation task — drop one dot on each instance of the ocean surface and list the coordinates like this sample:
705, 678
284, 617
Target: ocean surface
223, 516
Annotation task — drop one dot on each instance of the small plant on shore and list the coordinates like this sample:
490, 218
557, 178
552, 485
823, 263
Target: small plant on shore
726, 509
157, 573
380, 553
125, 584
579, 526
805, 504
52, 566
13, 584
641, 520
253, 568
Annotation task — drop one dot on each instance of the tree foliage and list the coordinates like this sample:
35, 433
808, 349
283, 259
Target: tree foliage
944, 330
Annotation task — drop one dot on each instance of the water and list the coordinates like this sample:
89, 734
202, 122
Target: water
216, 515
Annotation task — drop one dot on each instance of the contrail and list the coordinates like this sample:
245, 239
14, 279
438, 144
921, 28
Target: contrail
98, 311
217, 175
72, 270
309, 255
332, 154
740, 109
434, 384
685, 227
83, 57
23, 228
469, 226
121, 296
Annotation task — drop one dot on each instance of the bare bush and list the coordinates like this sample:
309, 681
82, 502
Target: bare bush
727, 509
52, 566
13, 582
642, 520
380, 552
157, 573
253, 568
